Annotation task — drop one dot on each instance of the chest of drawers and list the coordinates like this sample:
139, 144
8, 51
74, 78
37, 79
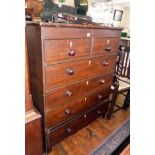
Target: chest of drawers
71, 70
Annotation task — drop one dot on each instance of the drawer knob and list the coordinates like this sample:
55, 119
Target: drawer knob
88, 35
70, 71
98, 112
102, 81
68, 130
85, 116
108, 48
71, 53
99, 96
67, 111
68, 93
105, 63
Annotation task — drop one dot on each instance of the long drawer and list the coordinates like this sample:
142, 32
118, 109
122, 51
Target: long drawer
64, 73
66, 93
66, 48
102, 45
63, 32
70, 109
57, 134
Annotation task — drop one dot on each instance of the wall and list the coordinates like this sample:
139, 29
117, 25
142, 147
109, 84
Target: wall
126, 18
125, 23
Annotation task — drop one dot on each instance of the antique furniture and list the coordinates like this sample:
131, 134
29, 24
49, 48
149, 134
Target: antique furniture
121, 83
33, 132
71, 69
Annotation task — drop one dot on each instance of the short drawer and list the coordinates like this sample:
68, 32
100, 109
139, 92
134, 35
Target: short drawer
64, 32
66, 93
64, 73
101, 45
56, 135
106, 33
66, 49
70, 109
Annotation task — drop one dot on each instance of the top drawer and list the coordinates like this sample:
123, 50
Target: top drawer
60, 33
66, 48
106, 33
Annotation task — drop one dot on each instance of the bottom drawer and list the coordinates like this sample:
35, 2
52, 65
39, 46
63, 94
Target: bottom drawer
56, 135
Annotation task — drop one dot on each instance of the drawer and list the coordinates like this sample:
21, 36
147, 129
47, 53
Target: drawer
64, 73
70, 109
106, 33
66, 93
56, 135
66, 49
63, 32
101, 45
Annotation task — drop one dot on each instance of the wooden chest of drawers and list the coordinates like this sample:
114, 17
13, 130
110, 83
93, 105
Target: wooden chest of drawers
71, 70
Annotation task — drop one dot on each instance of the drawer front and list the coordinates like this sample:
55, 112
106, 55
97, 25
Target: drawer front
66, 49
58, 134
64, 73
70, 109
64, 94
106, 33
60, 33
101, 45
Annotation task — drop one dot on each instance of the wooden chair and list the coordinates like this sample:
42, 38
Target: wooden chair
121, 84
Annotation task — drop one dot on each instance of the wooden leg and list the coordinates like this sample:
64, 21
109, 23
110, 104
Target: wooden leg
113, 100
127, 100
103, 116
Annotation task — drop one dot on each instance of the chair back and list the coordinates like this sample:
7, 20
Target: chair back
123, 63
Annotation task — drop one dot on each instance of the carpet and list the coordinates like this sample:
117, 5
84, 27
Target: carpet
114, 140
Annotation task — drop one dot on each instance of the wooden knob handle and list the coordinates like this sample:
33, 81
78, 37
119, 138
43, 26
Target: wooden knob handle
68, 93
102, 81
67, 111
99, 96
71, 53
70, 71
69, 130
98, 112
108, 48
105, 63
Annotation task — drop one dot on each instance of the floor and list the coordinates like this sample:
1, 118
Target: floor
88, 138
126, 151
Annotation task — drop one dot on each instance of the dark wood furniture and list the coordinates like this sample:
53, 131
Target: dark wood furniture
33, 131
71, 69
121, 83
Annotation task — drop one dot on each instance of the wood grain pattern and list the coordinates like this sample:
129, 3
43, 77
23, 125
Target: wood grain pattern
33, 130
101, 45
77, 123
66, 48
76, 106
81, 69
84, 26
33, 138
53, 71
88, 138
66, 93
126, 151
28, 98
106, 33
33, 35
64, 32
